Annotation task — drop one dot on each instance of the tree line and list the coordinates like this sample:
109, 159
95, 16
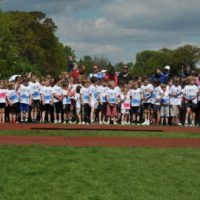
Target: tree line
28, 43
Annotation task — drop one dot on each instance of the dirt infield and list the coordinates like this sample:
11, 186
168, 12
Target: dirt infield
180, 129
100, 141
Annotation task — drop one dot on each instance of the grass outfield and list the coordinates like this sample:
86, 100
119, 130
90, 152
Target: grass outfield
71, 173
99, 133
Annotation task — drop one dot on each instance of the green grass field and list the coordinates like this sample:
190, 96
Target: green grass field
71, 173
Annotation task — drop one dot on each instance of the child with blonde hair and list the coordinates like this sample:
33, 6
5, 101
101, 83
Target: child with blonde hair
112, 98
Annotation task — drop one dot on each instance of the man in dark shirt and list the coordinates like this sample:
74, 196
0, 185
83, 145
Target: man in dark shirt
124, 77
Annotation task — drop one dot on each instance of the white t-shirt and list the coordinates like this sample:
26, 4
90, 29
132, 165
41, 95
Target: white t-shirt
190, 92
156, 95
78, 100
146, 91
24, 94
3, 93
47, 94
58, 91
85, 93
176, 91
102, 93
66, 97
125, 101
112, 96
135, 97
35, 89
13, 96
93, 90
165, 98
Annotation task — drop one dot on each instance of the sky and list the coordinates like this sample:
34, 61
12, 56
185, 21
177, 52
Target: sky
118, 29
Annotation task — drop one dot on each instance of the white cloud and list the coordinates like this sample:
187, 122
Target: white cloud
123, 28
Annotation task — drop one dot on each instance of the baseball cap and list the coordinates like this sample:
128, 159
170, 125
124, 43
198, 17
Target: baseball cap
167, 67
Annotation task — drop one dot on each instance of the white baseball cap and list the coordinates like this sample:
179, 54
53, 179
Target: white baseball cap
167, 67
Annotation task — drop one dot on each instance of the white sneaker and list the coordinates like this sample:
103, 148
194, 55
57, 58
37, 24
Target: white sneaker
115, 123
147, 123
59, 122
79, 123
55, 121
64, 122
70, 122
100, 123
144, 123
186, 124
83, 123
108, 122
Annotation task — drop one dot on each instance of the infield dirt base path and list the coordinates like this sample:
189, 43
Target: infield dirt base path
100, 141
84, 141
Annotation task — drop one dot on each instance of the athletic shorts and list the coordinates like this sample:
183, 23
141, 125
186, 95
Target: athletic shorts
36, 104
174, 110
48, 108
146, 106
191, 105
156, 107
164, 111
135, 110
67, 108
24, 107
14, 109
58, 107
2, 105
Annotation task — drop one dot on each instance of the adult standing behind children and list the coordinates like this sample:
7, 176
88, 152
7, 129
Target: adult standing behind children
124, 77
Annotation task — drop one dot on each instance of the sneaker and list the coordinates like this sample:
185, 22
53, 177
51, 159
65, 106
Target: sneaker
83, 123
70, 122
192, 125
87, 123
186, 124
79, 123
147, 123
144, 123
59, 122
108, 122
64, 122
115, 123
55, 122
100, 123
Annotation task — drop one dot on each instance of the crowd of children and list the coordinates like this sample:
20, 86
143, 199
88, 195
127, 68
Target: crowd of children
99, 101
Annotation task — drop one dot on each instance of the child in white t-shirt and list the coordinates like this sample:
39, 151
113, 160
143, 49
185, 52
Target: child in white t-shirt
136, 98
13, 103
112, 99
68, 94
3, 93
125, 106
165, 107
146, 91
47, 100
190, 95
25, 98
77, 99
58, 96
175, 97
85, 101
155, 101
